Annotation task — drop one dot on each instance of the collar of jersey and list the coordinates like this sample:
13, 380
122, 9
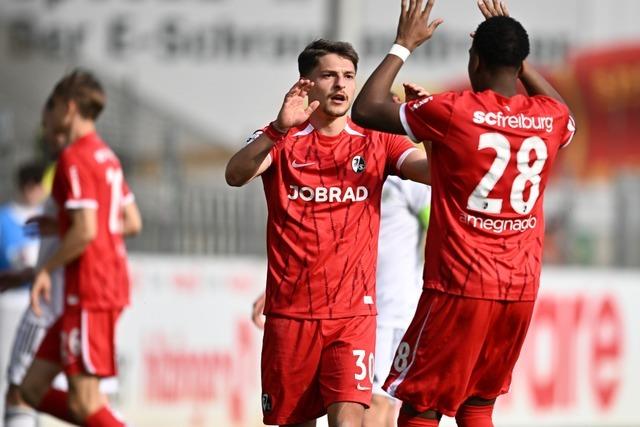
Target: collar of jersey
324, 138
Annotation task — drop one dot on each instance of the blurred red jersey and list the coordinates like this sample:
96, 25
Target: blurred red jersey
491, 161
89, 176
323, 197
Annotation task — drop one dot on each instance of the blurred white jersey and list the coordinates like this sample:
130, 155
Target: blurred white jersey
400, 250
32, 328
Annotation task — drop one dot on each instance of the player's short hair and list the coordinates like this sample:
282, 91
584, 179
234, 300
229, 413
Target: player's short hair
30, 173
308, 58
501, 41
82, 87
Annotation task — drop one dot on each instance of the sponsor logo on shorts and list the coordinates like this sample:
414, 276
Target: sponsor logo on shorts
362, 388
266, 403
500, 225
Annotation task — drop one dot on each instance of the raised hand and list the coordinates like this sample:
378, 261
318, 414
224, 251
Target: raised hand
414, 27
491, 8
293, 111
413, 91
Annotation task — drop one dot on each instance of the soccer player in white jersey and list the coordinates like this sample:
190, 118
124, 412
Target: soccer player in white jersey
404, 217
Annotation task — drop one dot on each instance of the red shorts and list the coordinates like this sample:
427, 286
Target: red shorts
308, 365
456, 348
83, 342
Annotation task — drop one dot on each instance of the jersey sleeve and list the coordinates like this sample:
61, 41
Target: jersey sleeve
74, 187
398, 148
428, 118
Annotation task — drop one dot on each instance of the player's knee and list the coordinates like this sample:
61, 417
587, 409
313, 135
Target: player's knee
475, 412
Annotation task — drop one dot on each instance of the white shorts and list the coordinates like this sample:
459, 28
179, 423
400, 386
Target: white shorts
387, 340
31, 330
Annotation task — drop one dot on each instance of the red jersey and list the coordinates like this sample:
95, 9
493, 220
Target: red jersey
89, 176
490, 163
323, 198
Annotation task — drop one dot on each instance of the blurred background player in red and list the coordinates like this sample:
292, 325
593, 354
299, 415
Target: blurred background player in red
32, 328
90, 191
322, 178
491, 157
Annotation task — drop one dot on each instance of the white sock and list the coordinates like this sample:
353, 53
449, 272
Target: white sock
20, 416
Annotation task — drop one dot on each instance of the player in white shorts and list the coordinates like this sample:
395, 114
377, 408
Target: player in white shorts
404, 217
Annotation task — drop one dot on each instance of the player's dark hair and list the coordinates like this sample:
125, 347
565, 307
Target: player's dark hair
308, 58
85, 90
29, 174
501, 41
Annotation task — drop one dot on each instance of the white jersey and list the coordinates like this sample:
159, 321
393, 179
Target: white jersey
400, 250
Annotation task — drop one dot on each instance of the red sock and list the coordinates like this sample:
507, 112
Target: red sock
474, 416
405, 420
103, 417
56, 403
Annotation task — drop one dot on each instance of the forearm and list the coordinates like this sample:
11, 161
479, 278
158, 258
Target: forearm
247, 163
373, 100
15, 278
132, 220
73, 244
536, 84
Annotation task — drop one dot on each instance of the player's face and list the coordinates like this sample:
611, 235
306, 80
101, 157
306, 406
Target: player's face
335, 84
54, 137
61, 116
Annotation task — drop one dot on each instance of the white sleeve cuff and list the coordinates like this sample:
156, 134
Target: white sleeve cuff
405, 123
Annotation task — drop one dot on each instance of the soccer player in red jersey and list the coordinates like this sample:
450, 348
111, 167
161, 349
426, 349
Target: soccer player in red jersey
492, 153
95, 209
322, 177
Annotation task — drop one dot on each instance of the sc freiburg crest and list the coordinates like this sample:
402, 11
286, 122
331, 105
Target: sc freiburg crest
358, 164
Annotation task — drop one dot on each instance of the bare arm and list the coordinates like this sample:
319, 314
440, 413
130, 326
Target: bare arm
131, 220
82, 231
536, 84
373, 108
254, 159
416, 167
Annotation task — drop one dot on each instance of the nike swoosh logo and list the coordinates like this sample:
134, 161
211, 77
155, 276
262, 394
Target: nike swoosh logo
362, 388
301, 165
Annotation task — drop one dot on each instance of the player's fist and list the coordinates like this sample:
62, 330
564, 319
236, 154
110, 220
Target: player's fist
413, 91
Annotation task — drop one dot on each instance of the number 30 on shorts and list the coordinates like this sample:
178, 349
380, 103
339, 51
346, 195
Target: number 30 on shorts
361, 374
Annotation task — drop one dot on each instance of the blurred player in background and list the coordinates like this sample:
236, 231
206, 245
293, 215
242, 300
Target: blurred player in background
18, 251
323, 178
91, 194
32, 328
491, 157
